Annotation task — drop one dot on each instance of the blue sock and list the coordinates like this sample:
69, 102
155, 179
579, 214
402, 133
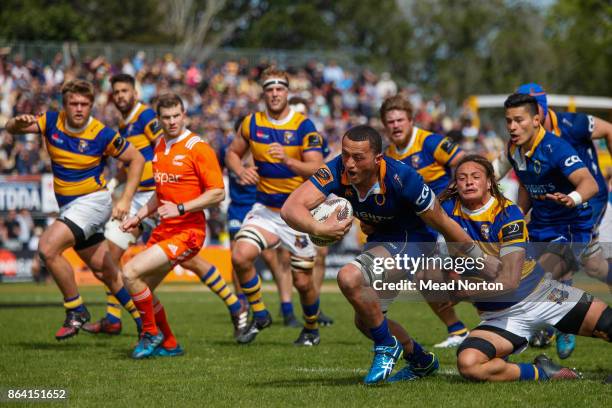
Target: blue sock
311, 317
242, 297
530, 372
75, 303
287, 309
457, 329
609, 278
252, 290
567, 282
381, 335
126, 301
418, 356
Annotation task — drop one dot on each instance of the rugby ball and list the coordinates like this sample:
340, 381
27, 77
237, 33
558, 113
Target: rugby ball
324, 210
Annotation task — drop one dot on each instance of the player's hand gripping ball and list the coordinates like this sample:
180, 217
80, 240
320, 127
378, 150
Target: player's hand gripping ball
322, 213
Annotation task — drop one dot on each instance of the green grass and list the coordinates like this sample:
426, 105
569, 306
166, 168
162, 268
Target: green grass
216, 371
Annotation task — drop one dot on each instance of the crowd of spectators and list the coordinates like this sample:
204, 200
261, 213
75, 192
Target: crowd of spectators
215, 94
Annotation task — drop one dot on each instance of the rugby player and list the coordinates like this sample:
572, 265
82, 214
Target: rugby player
188, 179
78, 145
392, 198
528, 300
140, 127
573, 128
433, 156
286, 149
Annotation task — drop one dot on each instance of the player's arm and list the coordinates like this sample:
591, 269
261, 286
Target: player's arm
501, 166
586, 188
23, 124
311, 162
233, 161
524, 202
296, 213
144, 211
134, 162
509, 276
602, 129
455, 160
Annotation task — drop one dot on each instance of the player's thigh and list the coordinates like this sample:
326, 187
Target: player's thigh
151, 261
198, 265
55, 239
592, 317
98, 257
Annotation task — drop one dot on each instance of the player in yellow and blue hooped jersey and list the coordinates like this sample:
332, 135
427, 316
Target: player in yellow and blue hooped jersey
433, 156
392, 198
286, 148
78, 145
528, 300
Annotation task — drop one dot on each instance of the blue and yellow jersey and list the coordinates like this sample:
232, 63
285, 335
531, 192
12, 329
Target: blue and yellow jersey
297, 134
498, 229
577, 130
141, 129
545, 169
243, 195
393, 204
429, 154
78, 158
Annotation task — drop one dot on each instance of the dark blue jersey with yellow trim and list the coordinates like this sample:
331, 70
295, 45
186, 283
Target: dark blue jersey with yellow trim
498, 229
243, 195
391, 206
429, 154
141, 129
78, 156
296, 134
545, 169
577, 129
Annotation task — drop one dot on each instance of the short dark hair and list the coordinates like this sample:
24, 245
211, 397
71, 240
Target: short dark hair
518, 99
167, 101
125, 78
364, 132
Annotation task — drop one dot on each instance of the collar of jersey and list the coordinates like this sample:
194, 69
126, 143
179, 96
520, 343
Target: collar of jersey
536, 142
282, 121
481, 210
410, 143
132, 113
179, 138
377, 188
77, 131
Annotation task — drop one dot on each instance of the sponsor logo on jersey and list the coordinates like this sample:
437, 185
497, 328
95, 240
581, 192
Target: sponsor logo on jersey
570, 161
512, 231
314, 140
447, 145
163, 177
56, 138
172, 248
119, 143
324, 176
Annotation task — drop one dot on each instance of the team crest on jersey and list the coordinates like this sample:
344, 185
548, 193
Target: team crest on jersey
537, 166
558, 295
415, 160
83, 145
287, 137
301, 241
324, 176
380, 199
484, 231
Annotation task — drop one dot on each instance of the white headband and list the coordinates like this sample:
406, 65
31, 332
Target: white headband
275, 81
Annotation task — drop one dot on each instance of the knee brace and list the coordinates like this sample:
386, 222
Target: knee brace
482, 345
365, 263
564, 252
603, 328
301, 264
252, 236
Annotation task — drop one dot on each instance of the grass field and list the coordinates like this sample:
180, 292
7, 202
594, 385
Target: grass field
270, 372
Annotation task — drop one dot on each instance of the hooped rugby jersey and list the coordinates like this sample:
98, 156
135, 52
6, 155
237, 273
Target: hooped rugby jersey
545, 169
391, 206
141, 129
78, 156
183, 169
429, 154
577, 129
498, 230
296, 134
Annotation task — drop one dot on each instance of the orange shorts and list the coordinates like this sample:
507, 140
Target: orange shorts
179, 245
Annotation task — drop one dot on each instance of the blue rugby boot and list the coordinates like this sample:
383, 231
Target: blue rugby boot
161, 351
385, 358
414, 371
566, 343
147, 344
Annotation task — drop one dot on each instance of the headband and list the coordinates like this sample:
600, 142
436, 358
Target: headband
275, 81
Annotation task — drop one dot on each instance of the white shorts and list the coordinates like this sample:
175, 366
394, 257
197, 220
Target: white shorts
89, 213
546, 305
297, 243
113, 233
605, 232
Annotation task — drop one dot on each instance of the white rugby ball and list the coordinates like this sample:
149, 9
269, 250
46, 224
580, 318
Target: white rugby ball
324, 210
